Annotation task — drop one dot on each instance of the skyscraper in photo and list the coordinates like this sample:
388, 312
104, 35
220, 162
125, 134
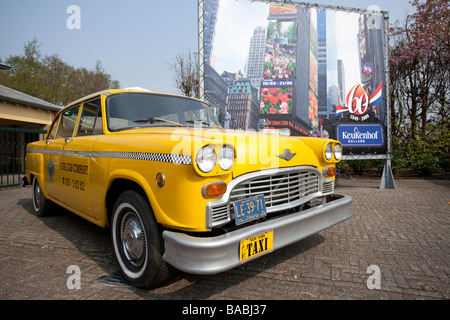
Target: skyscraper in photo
255, 60
209, 22
371, 56
327, 62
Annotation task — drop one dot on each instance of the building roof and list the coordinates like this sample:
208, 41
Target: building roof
12, 95
4, 67
243, 86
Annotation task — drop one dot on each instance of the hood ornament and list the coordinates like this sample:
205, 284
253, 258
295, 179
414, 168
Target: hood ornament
286, 155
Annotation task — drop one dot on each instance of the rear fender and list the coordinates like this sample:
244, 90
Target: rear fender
35, 169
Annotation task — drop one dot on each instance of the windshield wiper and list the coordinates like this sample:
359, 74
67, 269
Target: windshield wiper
202, 122
154, 119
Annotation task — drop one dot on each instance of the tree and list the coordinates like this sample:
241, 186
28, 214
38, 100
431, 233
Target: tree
25, 78
419, 70
84, 80
186, 71
51, 79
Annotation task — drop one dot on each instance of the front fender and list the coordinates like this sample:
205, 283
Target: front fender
144, 182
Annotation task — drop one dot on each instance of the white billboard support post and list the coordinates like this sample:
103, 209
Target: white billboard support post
387, 177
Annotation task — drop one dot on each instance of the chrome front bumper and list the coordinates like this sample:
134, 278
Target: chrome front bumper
198, 255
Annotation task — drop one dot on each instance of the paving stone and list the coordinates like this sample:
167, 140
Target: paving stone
403, 231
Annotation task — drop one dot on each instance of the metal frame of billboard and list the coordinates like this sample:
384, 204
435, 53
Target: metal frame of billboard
387, 180
201, 46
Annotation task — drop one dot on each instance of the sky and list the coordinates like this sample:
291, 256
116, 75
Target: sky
135, 40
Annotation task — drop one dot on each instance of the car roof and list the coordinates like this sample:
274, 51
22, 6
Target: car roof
114, 91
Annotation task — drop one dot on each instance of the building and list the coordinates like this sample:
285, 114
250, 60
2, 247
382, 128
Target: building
23, 119
255, 60
209, 22
4, 67
243, 105
216, 89
328, 90
20, 110
302, 81
372, 57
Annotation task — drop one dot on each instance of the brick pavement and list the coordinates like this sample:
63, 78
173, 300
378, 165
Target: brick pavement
402, 232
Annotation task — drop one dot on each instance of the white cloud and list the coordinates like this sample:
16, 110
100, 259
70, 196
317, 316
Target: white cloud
235, 25
348, 51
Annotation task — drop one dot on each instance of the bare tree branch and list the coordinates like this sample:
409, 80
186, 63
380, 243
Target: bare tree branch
185, 70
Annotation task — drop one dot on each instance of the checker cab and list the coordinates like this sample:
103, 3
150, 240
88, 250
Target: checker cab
176, 189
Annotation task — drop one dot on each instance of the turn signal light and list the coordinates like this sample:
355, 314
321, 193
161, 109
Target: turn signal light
214, 190
329, 171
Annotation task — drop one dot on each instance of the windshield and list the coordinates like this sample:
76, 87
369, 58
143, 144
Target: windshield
132, 109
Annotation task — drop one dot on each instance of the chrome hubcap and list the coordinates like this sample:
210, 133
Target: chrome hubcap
133, 239
37, 195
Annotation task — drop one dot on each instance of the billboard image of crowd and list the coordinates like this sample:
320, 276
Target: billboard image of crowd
298, 70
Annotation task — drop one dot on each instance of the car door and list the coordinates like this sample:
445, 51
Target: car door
62, 130
76, 157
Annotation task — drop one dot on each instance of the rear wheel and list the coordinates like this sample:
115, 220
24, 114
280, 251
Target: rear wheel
137, 241
41, 205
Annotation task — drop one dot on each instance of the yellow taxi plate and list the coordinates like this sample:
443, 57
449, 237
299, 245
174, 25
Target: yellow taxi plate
256, 246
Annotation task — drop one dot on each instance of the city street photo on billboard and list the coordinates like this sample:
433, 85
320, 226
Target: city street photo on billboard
298, 69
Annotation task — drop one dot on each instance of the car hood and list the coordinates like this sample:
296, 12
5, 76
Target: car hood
254, 150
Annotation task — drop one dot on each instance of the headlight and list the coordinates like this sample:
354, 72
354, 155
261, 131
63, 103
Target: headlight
337, 151
206, 159
226, 158
329, 152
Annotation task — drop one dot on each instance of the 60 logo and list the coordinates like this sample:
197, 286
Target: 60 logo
359, 101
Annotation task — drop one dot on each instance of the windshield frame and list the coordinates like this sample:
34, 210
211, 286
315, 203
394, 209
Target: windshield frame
210, 121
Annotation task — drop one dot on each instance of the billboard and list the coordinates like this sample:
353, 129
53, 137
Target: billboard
276, 97
314, 70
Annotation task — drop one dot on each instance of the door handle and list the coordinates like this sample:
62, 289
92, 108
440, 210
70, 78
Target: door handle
68, 140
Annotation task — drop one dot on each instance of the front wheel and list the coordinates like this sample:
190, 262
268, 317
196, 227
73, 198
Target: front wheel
137, 241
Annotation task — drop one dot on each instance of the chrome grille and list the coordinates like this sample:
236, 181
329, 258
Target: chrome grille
219, 214
278, 189
328, 186
282, 189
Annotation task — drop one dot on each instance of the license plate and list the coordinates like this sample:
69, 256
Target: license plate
249, 209
256, 246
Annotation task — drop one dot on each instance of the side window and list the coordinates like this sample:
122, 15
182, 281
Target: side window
91, 119
52, 132
67, 122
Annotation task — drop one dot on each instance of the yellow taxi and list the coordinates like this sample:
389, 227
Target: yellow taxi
176, 189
